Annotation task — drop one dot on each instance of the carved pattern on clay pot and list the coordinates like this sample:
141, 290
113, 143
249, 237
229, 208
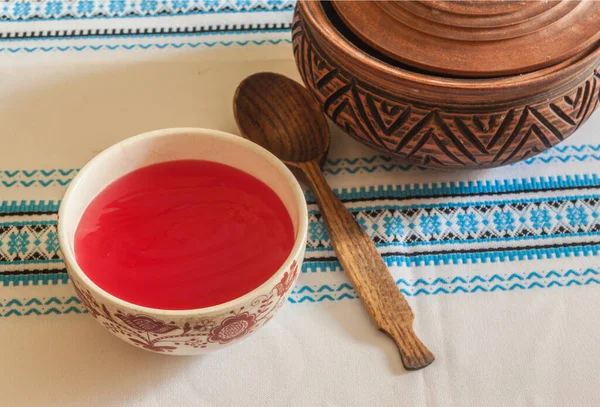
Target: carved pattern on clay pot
434, 137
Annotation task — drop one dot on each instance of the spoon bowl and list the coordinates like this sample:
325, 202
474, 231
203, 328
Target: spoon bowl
278, 114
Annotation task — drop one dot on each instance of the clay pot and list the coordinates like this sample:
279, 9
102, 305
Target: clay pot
434, 120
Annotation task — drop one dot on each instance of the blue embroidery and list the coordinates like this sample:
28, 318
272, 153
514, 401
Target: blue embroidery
467, 223
85, 6
212, 4
504, 221
362, 222
148, 5
325, 247
457, 285
577, 216
316, 231
100, 47
179, 5
52, 242
390, 226
540, 218
469, 187
450, 258
333, 292
18, 243
7, 207
54, 305
22, 223
21, 10
393, 226
430, 224
334, 166
383, 163
116, 6
48, 278
53, 8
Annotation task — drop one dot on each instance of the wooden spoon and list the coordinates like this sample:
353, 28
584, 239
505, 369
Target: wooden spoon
280, 115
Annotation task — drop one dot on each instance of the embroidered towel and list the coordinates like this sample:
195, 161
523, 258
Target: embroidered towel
500, 265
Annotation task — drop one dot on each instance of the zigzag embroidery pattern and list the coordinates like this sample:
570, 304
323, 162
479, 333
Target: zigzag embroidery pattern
344, 291
555, 155
456, 285
459, 188
333, 167
556, 151
332, 163
12, 177
41, 306
129, 47
382, 164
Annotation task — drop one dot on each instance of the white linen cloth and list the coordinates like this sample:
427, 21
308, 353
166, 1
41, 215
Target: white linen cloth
500, 265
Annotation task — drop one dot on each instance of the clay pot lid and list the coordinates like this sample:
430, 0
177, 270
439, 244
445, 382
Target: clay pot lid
475, 38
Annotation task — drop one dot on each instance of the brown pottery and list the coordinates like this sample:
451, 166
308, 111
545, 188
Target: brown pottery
518, 85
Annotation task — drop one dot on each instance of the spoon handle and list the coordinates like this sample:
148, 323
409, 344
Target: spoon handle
369, 274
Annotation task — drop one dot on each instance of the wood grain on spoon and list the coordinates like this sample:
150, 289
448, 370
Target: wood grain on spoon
281, 115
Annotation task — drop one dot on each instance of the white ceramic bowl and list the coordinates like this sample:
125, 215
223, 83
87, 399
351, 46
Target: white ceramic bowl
188, 331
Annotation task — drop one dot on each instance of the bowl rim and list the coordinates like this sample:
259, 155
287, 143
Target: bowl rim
312, 10
297, 250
